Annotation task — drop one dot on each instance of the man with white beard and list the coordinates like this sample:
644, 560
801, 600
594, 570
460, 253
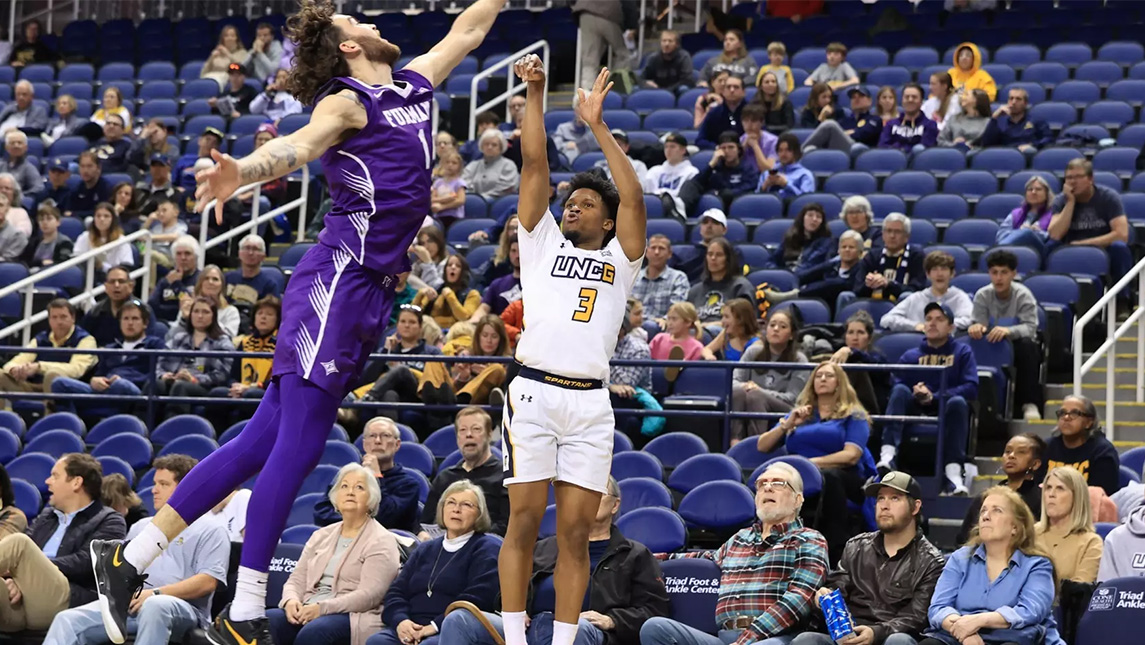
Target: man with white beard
769, 573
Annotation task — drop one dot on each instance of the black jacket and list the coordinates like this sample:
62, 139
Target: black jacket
489, 476
669, 72
890, 595
73, 559
626, 585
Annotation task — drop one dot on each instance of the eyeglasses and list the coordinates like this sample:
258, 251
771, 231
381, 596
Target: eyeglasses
465, 506
379, 436
1072, 414
252, 249
117, 281
776, 485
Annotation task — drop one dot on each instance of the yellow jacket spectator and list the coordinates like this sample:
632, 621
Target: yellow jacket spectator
967, 72
27, 372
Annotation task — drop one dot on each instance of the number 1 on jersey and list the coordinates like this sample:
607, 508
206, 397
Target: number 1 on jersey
583, 311
425, 148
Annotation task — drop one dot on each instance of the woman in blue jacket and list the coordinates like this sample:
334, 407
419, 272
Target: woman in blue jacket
999, 588
806, 245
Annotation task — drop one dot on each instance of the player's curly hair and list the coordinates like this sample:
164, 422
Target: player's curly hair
596, 180
317, 57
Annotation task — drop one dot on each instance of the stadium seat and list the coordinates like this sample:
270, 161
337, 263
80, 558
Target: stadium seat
718, 506
32, 467
1046, 74
27, 497
1134, 204
115, 465
911, 184
9, 446
1003, 75
637, 463
779, 279
1111, 616
1016, 183
548, 526
586, 160
1134, 459
643, 492
620, 442
941, 208
971, 184
192, 445
1137, 183
770, 232
132, 448
1077, 94
690, 582
1069, 54
115, 425
442, 442
830, 203
81, 90
338, 433
56, 443
1131, 91
1129, 477
939, 161
422, 485
57, 421
1055, 159
971, 281
623, 119
1119, 161
876, 308
867, 58
923, 232
340, 453
1108, 179
892, 75
696, 470
673, 448
1086, 261
1000, 161
882, 205
291, 256
915, 57
894, 345
1056, 114
670, 228
302, 510
824, 163
1101, 72
961, 255
650, 100
753, 255
812, 311
1017, 55
502, 206
232, 432
1028, 259
298, 534
157, 71
659, 529
1124, 53
181, 426
415, 456
291, 123
974, 233
845, 184
881, 163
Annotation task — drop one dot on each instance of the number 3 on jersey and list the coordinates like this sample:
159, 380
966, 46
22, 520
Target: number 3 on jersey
583, 312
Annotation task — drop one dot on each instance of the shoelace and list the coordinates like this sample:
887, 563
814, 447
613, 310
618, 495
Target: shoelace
139, 586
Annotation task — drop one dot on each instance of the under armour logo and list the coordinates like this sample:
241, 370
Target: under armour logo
562, 245
330, 367
526, 398
606, 253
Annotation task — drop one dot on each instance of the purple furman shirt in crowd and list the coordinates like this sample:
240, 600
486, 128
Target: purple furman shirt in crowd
340, 295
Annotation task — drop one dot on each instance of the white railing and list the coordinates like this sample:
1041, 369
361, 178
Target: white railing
301, 202
512, 86
28, 284
638, 58
1108, 349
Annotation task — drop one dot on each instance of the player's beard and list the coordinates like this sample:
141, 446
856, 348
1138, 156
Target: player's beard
379, 51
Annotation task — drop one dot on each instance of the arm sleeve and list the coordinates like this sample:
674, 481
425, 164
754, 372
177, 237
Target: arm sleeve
857, 431
885, 136
218, 369
396, 501
804, 183
946, 589
840, 577
680, 287
463, 311
945, 136
378, 567
978, 313
966, 382
818, 73
1028, 317
706, 139
395, 604
897, 319
258, 105
1089, 558
929, 135
810, 570
1035, 598
1105, 470
647, 598
963, 311
990, 136
1042, 135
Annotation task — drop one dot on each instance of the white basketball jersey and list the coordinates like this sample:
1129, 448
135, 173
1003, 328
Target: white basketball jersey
574, 301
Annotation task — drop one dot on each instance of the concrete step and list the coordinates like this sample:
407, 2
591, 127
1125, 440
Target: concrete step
1125, 391
1124, 375
1122, 358
1130, 432
561, 99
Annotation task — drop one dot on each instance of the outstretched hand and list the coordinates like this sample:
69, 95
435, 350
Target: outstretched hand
218, 182
530, 69
590, 107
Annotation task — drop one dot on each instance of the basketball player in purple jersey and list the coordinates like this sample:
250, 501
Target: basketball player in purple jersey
371, 129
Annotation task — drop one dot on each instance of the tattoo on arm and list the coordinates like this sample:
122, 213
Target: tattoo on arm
274, 159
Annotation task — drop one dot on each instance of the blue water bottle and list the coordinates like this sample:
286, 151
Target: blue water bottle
839, 623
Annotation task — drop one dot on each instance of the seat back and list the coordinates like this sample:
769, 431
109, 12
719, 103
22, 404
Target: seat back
634, 463
696, 470
718, 505
659, 529
1114, 613
643, 492
674, 448
693, 586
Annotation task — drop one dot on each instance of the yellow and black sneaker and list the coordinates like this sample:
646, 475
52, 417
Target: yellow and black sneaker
116, 583
224, 631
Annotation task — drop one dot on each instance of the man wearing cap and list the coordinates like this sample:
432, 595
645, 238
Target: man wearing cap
666, 179
916, 393
639, 166
56, 187
851, 133
886, 576
158, 187
91, 190
184, 174
112, 149
27, 174
236, 97
713, 224
725, 176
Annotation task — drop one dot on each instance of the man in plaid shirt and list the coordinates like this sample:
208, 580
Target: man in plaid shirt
659, 286
770, 573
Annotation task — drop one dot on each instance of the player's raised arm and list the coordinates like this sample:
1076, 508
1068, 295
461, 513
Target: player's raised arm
332, 117
631, 216
467, 32
534, 192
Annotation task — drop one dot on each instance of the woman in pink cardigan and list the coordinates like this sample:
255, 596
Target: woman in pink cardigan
335, 593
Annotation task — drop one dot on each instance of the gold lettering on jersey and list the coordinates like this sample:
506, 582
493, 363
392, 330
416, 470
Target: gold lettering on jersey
1080, 466
567, 382
939, 360
578, 268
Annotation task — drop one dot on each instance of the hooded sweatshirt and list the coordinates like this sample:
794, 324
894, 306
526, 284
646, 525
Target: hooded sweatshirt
910, 311
975, 78
1124, 554
961, 372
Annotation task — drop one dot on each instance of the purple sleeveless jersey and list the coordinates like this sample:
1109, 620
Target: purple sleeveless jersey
339, 298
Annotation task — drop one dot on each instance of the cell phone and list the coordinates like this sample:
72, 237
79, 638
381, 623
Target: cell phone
773, 171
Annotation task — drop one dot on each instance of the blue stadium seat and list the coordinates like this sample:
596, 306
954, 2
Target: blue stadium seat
1137, 183
880, 163
113, 465
132, 448
198, 123
1122, 52
32, 467
673, 448
157, 71
27, 497
1101, 72
38, 73
57, 421
689, 581
882, 205
202, 88
1055, 114
824, 163
586, 160
868, 58
231, 432
1000, 161
659, 529
923, 232
1134, 204
291, 123
1077, 94
1016, 183
298, 534
1046, 74
894, 345
1086, 261
971, 184
475, 206
649, 100
809, 57
623, 119
1131, 91
422, 486
941, 208
911, 184
961, 255
159, 108
830, 203
56, 443
1119, 161
643, 492
458, 233
620, 442
1110, 618
974, 233
813, 311
703, 468
415, 456
770, 232
192, 445
1054, 159
1003, 75
635, 463
9, 446
479, 255
181, 426
293, 254
670, 228
9, 420
115, 425
916, 57
850, 183
877, 309
77, 73
1028, 259
1129, 477
77, 90
503, 206
756, 206
157, 90
1134, 459
1108, 179
971, 281
718, 505
462, 85
780, 279
548, 526
1069, 54
1017, 55
893, 75
302, 510
1110, 114
340, 453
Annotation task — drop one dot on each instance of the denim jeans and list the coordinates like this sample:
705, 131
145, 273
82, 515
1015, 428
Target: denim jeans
331, 629
160, 619
955, 423
665, 631
815, 638
1025, 237
389, 636
65, 385
462, 628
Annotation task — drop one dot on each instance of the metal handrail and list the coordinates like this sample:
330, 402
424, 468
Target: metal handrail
511, 87
301, 202
1114, 332
28, 284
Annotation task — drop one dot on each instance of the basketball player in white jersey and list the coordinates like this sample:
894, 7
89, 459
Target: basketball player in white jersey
558, 426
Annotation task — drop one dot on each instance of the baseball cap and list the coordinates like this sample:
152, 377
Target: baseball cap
677, 138
58, 164
617, 133
715, 214
215, 132
858, 89
236, 67
897, 480
946, 311
267, 127
160, 158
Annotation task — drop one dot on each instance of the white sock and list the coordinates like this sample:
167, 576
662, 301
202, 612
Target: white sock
563, 633
148, 545
954, 474
250, 595
887, 455
513, 623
